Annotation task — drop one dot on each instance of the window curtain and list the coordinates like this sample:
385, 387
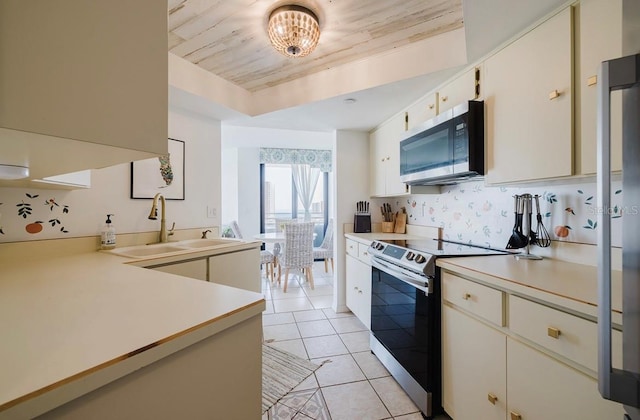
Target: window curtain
306, 179
315, 158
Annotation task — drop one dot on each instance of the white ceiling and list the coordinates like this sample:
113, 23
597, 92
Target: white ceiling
487, 24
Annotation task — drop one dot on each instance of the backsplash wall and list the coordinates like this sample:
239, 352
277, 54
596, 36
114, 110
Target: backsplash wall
473, 213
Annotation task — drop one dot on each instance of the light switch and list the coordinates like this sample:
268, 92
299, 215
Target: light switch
211, 212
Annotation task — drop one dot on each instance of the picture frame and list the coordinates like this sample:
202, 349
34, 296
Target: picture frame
160, 175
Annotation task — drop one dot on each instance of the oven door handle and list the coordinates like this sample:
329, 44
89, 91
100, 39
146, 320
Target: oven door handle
406, 276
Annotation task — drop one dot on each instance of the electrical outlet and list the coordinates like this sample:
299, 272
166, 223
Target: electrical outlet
211, 212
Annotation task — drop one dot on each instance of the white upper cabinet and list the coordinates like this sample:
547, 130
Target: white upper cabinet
84, 84
600, 35
385, 158
423, 110
528, 99
461, 89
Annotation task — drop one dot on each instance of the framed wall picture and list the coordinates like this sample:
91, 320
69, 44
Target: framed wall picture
164, 174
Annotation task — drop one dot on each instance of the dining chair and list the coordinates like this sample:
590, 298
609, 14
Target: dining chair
325, 250
297, 252
267, 258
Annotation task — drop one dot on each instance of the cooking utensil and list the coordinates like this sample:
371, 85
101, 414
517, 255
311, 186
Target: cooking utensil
528, 232
542, 236
517, 239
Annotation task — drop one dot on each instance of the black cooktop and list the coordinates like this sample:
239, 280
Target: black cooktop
442, 248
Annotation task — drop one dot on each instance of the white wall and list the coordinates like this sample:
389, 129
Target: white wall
110, 193
351, 180
241, 167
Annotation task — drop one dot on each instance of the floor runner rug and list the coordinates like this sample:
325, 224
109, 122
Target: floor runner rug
281, 372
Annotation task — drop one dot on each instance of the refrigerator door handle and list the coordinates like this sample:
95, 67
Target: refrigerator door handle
614, 384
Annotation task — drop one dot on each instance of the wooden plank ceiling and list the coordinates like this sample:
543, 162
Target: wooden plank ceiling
229, 37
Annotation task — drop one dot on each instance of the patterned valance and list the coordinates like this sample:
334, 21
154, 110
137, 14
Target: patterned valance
315, 158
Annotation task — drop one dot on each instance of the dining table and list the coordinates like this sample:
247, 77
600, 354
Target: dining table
270, 237
273, 237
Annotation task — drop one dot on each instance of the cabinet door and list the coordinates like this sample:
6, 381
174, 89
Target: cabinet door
473, 368
600, 35
385, 158
459, 90
196, 269
543, 388
393, 184
237, 269
358, 283
79, 75
528, 97
351, 273
423, 110
364, 293
378, 159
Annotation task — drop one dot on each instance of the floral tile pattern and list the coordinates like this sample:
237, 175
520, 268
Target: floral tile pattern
34, 216
474, 213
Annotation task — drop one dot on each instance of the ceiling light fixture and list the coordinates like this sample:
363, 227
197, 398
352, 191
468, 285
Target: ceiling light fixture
13, 171
293, 30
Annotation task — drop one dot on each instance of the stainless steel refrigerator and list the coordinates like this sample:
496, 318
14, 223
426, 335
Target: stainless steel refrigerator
622, 385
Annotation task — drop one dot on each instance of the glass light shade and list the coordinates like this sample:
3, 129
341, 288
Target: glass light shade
294, 30
13, 171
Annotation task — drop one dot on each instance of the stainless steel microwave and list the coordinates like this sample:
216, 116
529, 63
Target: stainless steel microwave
446, 149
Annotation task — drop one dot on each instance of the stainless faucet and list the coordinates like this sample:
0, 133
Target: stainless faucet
153, 215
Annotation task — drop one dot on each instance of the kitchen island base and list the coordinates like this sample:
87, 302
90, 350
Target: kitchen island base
218, 377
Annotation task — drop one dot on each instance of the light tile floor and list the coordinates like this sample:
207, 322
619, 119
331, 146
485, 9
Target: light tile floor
352, 383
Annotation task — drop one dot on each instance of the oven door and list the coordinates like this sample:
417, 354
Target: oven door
405, 321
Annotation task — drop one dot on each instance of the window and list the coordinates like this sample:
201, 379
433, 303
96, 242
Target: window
280, 199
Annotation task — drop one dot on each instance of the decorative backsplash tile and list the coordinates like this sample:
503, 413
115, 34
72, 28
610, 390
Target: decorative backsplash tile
473, 213
34, 215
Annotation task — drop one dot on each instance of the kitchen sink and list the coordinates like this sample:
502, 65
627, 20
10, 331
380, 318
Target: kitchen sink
147, 250
153, 250
203, 243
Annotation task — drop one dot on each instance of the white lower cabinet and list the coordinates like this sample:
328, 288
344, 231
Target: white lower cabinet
195, 269
540, 387
358, 280
358, 285
534, 367
473, 368
237, 269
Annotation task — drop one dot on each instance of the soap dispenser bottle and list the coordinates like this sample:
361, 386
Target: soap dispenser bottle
108, 236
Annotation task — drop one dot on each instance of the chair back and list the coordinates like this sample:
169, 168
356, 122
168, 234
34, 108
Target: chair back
298, 245
327, 242
235, 229
280, 224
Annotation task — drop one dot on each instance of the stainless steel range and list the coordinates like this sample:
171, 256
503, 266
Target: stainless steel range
405, 313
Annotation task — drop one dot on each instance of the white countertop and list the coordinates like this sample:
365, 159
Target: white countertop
67, 317
569, 285
367, 238
547, 279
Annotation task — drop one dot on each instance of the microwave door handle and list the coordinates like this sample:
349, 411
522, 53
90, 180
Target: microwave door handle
614, 384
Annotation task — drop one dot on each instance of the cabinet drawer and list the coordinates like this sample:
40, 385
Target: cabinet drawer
352, 248
363, 253
568, 335
476, 298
